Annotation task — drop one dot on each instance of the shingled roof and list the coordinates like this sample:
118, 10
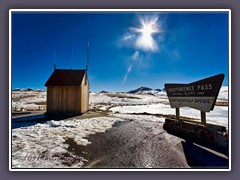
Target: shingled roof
63, 77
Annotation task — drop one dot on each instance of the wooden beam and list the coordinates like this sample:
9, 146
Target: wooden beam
177, 113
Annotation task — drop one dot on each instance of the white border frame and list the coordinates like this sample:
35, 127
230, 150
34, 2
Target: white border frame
117, 10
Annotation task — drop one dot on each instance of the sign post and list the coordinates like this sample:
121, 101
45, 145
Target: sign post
203, 118
200, 95
177, 113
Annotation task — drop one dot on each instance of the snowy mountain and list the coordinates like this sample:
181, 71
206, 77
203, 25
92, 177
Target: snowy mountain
103, 91
145, 90
23, 89
28, 89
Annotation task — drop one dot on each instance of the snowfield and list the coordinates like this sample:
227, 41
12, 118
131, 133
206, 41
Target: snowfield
43, 145
28, 100
219, 116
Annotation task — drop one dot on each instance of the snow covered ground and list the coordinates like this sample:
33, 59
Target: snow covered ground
218, 116
43, 145
28, 100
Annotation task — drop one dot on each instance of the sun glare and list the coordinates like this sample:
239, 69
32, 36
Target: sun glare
147, 30
145, 40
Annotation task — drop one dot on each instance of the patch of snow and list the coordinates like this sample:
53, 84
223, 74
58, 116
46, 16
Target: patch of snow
223, 94
26, 100
103, 98
151, 108
218, 116
37, 145
147, 118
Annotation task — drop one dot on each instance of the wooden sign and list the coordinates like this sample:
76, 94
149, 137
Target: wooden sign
200, 95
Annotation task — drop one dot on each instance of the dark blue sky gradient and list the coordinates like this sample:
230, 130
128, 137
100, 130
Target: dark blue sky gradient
191, 46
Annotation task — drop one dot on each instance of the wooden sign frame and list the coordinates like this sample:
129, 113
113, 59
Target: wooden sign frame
200, 95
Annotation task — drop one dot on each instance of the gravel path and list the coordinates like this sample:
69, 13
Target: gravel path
132, 144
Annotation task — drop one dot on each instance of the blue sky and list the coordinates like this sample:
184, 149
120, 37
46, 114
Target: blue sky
127, 49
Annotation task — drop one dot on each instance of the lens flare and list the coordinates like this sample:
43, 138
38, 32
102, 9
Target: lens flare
142, 39
145, 40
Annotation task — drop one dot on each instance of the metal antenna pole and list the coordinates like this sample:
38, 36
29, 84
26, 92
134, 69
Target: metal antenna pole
54, 64
72, 57
88, 46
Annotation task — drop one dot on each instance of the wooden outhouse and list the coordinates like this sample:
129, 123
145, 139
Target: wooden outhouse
67, 92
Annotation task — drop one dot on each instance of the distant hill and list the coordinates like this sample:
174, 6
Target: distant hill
103, 92
145, 90
141, 89
27, 89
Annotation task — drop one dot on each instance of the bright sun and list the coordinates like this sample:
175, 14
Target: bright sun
145, 40
147, 30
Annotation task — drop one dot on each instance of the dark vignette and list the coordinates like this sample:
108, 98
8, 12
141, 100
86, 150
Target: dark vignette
5, 5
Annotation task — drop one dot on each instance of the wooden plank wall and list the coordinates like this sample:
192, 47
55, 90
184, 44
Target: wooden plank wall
84, 95
85, 98
67, 99
64, 100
